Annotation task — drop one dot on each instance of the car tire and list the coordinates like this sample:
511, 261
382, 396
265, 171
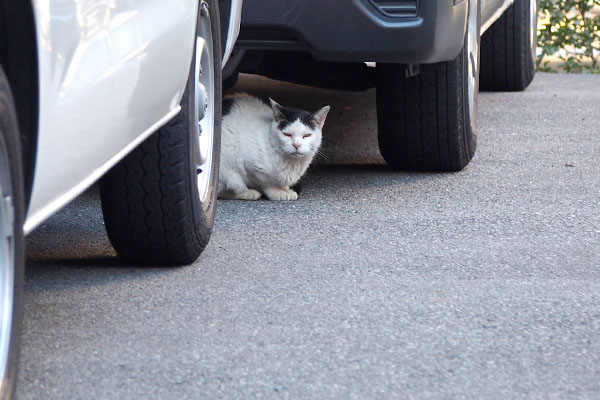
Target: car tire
12, 210
159, 202
428, 122
508, 49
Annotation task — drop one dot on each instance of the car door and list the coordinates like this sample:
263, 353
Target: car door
111, 72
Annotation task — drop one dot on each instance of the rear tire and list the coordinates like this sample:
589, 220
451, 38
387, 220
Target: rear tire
508, 49
428, 122
159, 202
11, 240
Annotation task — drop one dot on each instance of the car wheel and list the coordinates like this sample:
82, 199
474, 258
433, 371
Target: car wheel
159, 202
428, 122
508, 49
11, 240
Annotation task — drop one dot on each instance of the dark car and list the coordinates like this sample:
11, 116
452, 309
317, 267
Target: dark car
427, 60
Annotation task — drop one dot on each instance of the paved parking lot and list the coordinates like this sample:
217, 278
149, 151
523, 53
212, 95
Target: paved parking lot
374, 284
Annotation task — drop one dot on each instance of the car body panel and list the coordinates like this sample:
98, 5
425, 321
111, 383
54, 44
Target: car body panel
356, 31
104, 87
491, 11
233, 30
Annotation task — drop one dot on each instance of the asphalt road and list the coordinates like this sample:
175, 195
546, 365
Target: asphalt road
374, 284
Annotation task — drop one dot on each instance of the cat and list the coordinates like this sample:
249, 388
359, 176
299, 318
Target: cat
265, 149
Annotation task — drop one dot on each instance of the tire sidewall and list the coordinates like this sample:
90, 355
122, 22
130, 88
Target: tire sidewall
531, 60
470, 124
204, 212
9, 132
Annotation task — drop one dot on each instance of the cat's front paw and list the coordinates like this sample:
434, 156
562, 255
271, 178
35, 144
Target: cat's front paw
249, 194
281, 194
293, 195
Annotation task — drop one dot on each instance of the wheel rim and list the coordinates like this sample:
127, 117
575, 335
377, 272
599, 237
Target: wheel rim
7, 258
204, 111
473, 63
533, 10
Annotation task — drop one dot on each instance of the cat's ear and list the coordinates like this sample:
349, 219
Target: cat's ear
277, 114
319, 116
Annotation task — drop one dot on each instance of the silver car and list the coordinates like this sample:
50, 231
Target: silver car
126, 91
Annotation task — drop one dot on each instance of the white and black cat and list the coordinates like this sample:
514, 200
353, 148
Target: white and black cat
265, 149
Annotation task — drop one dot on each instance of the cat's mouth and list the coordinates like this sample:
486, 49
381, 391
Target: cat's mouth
297, 154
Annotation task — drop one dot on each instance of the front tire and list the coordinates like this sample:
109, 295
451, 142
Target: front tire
159, 202
428, 122
11, 240
508, 49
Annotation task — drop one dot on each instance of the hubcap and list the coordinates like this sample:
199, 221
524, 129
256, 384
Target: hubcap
204, 87
7, 258
473, 63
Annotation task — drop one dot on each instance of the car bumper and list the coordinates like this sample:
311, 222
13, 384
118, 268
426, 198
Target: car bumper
355, 30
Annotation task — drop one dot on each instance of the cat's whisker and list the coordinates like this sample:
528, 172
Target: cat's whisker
319, 155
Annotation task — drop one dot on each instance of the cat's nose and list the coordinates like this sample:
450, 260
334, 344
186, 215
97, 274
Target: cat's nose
297, 145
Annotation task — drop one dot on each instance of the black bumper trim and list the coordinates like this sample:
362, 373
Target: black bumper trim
355, 31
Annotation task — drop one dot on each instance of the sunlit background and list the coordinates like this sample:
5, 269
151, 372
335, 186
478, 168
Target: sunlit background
569, 36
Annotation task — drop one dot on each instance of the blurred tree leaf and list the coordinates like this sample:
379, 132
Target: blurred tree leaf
570, 28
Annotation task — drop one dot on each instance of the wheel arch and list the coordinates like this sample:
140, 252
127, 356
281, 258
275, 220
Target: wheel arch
230, 16
18, 57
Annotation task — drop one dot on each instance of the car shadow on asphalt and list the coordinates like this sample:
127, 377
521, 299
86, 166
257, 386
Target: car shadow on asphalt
347, 176
67, 271
72, 246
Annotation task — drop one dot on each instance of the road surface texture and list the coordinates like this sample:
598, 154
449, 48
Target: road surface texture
374, 284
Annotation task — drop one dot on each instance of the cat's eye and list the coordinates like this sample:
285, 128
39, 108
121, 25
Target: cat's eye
307, 135
287, 134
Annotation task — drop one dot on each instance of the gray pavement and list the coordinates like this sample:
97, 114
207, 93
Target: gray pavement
374, 284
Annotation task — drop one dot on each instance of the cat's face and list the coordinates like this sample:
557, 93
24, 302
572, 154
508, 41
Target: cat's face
298, 132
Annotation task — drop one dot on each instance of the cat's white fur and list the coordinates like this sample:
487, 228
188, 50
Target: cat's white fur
256, 157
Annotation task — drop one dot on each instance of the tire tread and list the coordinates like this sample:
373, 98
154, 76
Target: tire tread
150, 203
506, 62
152, 223
420, 122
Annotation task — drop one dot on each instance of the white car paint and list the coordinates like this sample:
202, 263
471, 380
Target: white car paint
490, 19
111, 72
233, 30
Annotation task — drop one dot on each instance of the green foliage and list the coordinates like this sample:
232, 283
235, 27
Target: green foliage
570, 28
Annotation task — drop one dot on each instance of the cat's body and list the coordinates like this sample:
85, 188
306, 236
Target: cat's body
265, 149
